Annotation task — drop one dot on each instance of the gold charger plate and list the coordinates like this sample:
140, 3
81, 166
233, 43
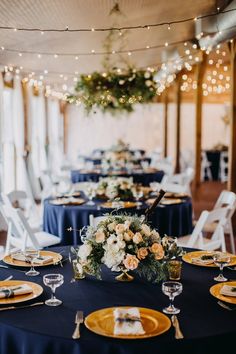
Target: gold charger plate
37, 291
215, 291
190, 255
102, 322
56, 257
112, 205
176, 195
170, 201
67, 201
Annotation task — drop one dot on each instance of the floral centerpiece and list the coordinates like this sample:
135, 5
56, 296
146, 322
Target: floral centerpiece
112, 188
126, 243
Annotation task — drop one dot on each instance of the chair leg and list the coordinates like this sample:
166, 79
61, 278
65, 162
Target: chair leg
231, 235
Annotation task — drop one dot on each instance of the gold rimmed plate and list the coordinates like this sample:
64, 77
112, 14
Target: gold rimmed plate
170, 201
36, 291
102, 322
67, 201
56, 257
193, 257
216, 289
114, 205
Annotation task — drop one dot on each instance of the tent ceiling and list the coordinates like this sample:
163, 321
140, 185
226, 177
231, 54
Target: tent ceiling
91, 14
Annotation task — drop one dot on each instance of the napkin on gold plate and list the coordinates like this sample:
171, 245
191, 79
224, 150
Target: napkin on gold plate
128, 321
228, 290
37, 260
11, 291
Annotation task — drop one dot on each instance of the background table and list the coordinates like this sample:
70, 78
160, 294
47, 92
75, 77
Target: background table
207, 327
174, 220
144, 178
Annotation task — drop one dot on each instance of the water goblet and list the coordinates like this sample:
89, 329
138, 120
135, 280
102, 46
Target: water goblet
221, 260
53, 281
30, 256
171, 289
138, 194
90, 191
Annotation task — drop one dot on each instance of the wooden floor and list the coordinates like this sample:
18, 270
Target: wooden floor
203, 199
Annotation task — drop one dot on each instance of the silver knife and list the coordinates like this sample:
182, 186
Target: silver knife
175, 322
79, 318
21, 307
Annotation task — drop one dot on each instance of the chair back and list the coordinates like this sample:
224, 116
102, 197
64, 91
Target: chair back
95, 220
19, 231
217, 240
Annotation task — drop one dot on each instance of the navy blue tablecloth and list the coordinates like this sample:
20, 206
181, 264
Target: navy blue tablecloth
174, 220
207, 327
143, 178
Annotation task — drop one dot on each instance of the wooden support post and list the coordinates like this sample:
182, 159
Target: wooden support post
25, 103
232, 146
200, 69
166, 123
178, 106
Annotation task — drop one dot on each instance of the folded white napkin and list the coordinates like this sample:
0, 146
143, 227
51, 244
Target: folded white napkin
228, 290
37, 260
198, 260
11, 291
128, 321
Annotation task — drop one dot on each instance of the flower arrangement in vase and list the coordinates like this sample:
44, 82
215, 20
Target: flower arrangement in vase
126, 243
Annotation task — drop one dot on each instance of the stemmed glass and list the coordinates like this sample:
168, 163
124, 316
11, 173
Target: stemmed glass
90, 192
30, 256
138, 194
172, 289
53, 281
221, 260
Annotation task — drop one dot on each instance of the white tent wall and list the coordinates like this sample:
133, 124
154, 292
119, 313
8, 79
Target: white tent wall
144, 128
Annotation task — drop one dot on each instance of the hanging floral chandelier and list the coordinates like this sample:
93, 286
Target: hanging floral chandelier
115, 89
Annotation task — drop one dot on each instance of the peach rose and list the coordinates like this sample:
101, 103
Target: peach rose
158, 250
128, 235
100, 236
137, 238
120, 228
142, 253
131, 262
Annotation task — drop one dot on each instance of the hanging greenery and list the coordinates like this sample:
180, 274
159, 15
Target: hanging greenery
114, 90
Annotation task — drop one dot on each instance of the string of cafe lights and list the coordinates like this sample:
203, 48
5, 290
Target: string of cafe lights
42, 31
186, 61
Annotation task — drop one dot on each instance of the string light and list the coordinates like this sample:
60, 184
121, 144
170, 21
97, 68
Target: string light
148, 26
55, 56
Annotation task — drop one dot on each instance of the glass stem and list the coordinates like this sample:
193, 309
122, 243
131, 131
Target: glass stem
171, 302
53, 294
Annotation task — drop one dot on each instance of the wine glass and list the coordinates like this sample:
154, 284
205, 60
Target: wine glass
90, 192
138, 194
53, 281
30, 256
221, 260
172, 289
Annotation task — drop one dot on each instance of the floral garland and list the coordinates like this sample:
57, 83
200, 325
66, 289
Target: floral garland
112, 188
115, 91
124, 243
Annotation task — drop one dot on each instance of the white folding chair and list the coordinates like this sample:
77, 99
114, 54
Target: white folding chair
95, 220
20, 199
198, 240
205, 167
20, 235
228, 199
224, 166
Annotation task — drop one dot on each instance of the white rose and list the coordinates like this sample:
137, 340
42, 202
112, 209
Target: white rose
146, 230
137, 238
84, 251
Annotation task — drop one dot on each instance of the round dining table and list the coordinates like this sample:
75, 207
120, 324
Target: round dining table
174, 219
206, 326
138, 175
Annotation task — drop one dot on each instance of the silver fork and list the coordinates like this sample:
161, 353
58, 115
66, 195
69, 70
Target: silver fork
79, 318
227, 307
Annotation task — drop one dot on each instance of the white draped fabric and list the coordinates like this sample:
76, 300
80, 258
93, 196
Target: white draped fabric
55, 136
8, 147
22, 180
